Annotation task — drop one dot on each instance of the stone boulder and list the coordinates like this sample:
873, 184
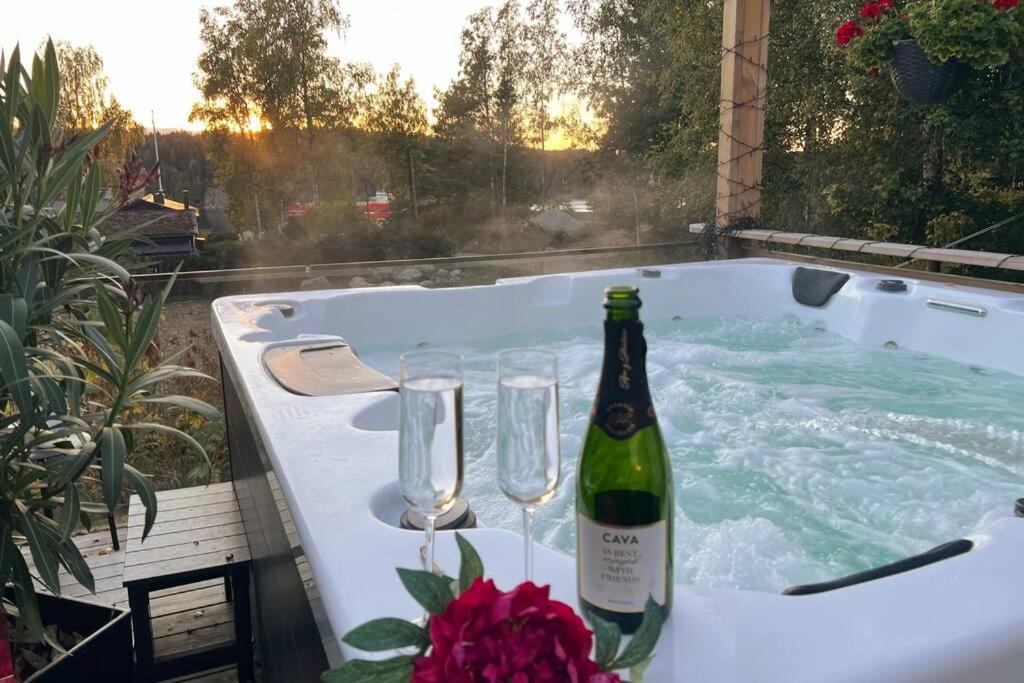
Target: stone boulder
555, 221
358, 282
409, 274
319, 282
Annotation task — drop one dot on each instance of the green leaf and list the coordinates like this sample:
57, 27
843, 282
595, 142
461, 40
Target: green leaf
73, 466
90, 194
112, 457
387, 634
13, 369
471, 566
143, 332
144, 488
110, 314
69, 512
46, 563
24, 594
187, 402
102, 262
607, 637
428, 589
68, 553
14, 312
394, 670
645, 638
7, 553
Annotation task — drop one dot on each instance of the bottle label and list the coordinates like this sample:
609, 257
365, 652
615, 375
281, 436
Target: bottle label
624, 402
620, 566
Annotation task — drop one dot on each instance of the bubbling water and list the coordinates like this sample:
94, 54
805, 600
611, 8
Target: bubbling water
798, 456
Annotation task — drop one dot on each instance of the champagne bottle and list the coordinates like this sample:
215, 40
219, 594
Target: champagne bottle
624, 506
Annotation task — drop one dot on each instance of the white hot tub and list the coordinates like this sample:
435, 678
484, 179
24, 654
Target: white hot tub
958, 619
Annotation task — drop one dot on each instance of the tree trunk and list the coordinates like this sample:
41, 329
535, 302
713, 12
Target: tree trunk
504, 168
931, 179
412, 183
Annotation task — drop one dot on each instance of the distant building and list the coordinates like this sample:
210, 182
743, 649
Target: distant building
167, 231
378, 207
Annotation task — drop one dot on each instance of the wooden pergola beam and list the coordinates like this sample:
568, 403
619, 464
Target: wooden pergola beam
742, 110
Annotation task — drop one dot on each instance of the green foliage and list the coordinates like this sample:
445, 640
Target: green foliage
873, 50
76, 332
976, 33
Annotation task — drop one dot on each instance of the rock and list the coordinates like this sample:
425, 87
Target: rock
357, 282
555, 221
427, 270
442, 274
386, 283
427, 283
319, 282
409, 274
455, 275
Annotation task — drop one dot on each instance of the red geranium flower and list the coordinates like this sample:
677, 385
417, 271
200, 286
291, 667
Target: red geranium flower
1006, 4
848, 31
517, 637
875, 10
871, 10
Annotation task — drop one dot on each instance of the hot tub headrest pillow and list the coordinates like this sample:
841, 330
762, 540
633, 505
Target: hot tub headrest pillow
814, 287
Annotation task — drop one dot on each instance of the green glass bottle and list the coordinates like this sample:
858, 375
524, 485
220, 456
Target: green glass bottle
624, 506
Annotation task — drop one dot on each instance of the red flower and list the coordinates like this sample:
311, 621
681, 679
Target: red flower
871, 10
875, 10
848, 31
517, 637
1006, 4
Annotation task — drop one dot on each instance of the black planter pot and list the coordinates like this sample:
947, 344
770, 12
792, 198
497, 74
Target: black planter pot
106, 653
920, 81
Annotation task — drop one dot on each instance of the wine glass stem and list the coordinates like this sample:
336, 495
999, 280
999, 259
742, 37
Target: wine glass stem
528, 540
431, 523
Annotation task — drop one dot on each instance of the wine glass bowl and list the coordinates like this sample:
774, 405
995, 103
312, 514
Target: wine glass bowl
528, 450
430, 435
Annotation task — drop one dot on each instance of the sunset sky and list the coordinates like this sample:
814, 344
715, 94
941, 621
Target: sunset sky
149, 47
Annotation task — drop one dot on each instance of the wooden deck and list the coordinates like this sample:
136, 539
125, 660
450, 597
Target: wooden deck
184, 618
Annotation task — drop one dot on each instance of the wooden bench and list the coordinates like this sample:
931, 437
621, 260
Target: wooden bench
198, 536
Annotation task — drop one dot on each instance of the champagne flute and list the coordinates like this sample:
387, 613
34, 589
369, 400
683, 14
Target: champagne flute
430, 436
528, 458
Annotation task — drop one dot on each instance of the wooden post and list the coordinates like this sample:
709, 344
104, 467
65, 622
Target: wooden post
741, 114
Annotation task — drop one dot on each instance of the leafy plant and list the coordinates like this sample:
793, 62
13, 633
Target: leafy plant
489, 637
979, 33
75, 333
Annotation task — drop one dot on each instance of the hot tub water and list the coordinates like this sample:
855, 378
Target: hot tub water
798, 455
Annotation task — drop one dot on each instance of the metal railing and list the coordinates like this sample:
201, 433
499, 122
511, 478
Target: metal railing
476, 268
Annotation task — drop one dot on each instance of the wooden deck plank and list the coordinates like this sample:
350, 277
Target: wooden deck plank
187, 536
202, 497
137, 519
187, 601
184, 564
184, 550
175, 526
192, 620
209, 636
189, 491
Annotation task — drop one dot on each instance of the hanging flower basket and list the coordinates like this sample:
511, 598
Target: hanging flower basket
921, 81
931, 46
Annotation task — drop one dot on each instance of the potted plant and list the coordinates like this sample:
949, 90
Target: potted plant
932, 45
76, 366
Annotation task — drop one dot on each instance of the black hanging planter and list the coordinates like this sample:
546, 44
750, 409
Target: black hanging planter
919, 80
